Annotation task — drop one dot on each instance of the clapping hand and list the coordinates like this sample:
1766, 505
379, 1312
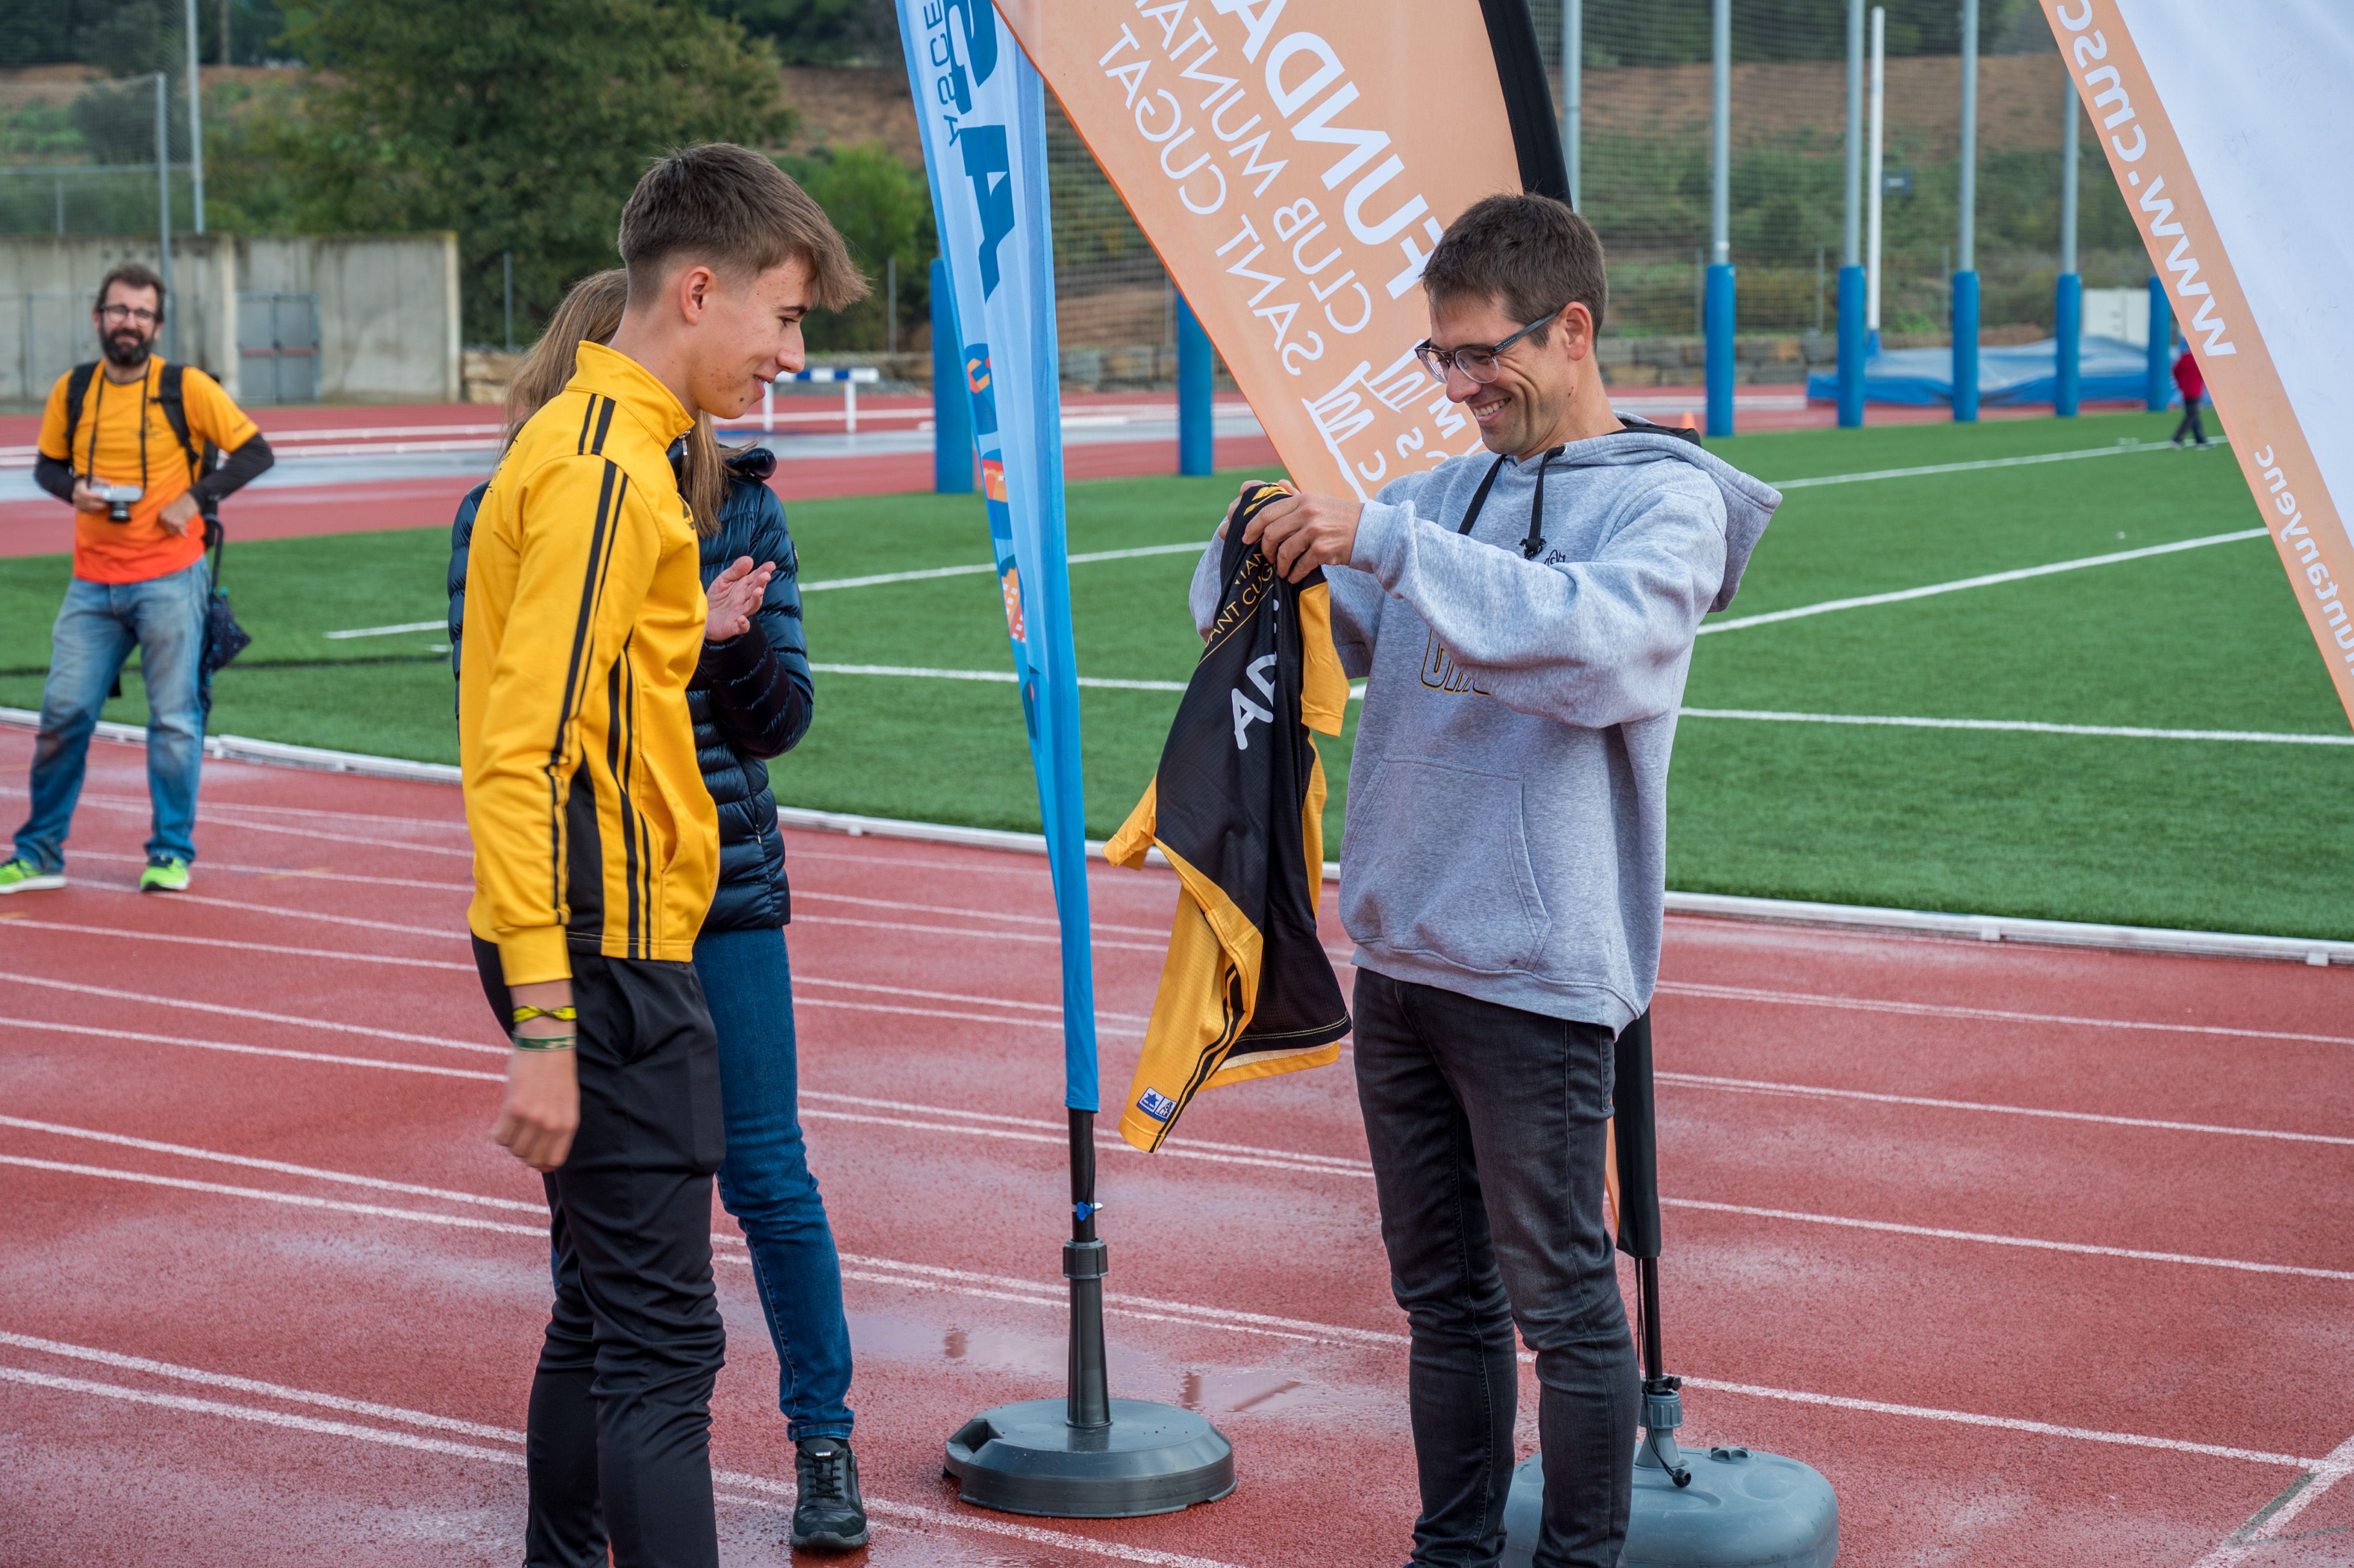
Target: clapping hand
734, 595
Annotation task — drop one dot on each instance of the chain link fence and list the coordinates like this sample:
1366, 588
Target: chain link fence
80, 157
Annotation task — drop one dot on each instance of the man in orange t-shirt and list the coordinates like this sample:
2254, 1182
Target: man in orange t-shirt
144, 491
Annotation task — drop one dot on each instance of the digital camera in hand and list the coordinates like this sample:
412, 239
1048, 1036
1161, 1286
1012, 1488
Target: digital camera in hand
118, 499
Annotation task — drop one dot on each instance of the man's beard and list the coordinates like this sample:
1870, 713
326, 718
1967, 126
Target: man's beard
125, 351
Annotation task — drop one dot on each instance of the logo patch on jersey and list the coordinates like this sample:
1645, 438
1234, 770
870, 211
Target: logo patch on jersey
1156, 1105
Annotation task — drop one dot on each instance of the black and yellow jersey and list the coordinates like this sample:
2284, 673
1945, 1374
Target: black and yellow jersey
1237, 806
593, 829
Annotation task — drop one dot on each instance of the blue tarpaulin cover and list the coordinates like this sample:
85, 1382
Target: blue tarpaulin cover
2112, 370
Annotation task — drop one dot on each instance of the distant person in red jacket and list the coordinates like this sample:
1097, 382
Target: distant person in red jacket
2194, 388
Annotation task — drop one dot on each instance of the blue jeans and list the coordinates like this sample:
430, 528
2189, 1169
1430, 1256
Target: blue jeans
764, 1180
96, 628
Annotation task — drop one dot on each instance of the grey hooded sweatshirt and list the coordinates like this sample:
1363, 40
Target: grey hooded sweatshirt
1507, 816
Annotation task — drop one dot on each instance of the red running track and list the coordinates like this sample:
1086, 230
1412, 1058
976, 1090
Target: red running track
2043, 1256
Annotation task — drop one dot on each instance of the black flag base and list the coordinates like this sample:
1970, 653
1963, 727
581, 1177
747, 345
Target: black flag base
1088, 1456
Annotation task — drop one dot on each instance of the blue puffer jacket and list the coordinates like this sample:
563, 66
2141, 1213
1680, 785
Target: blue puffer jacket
750, 698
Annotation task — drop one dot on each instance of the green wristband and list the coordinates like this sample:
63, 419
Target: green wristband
544, 1041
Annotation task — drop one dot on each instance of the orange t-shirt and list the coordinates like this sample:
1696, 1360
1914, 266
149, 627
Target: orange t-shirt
124, 438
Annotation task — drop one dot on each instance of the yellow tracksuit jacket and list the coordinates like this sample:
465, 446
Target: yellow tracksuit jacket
585, 615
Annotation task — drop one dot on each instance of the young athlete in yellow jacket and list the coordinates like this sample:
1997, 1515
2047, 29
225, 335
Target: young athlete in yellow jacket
584, 619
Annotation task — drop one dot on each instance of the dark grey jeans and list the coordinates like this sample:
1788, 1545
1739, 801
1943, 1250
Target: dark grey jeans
1487, 1125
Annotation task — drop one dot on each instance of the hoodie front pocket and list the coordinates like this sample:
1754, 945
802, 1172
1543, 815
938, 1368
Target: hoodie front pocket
1438, 863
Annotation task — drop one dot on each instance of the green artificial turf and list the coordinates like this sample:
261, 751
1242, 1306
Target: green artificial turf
2198, 833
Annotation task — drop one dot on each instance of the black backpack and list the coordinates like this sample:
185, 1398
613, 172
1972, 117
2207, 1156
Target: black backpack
224, 638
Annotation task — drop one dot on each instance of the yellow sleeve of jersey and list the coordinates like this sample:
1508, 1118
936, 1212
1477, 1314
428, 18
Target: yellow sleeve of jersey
1323, 685
1129, 846
53, 423
212, 417
587, 550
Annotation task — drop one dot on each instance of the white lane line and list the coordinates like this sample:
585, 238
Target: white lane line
1938, 1233
313, 1172
1042, 937
1005, 677
179, 1003
989, 569
1836, 1401
1047, 920
2002, 1423
1346, 1164
1053, 1007
446, 824
211, 818
252, 1385
2270, 1521
2122, 448
18, 923
444, 932
880, 1507
294, 874
1995, 1014
376, 1063
1826, 606
405, 626
1767, 1086
296, 1200
2024, 727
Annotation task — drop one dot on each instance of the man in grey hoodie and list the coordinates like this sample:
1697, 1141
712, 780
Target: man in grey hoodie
1524, 624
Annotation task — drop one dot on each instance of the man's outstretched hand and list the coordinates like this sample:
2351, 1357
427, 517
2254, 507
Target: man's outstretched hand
734, 595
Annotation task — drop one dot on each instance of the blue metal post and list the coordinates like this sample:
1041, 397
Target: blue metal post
2069, 330
1851, 285
1966, 346
2068, 312
1965, 323
1717, 318
951, 403
1197, 442
2161, 347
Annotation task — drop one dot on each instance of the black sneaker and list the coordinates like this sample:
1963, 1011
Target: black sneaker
830, 1516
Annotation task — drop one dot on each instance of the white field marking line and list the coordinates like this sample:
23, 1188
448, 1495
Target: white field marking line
406, 626
2004, 1015
1988, 581
313, 1172
2121, 450
258, 1050
294, 874
2024, 727
967, 931
1032, 1534
2274, 1517
254, 1385
17, 922
968, 914
1006, 677
1937, 1232
1791, 1395
989, 569
1764, 1087
182, 1003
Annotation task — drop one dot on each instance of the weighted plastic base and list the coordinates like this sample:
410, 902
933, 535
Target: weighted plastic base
1743, 1510
1029, 1458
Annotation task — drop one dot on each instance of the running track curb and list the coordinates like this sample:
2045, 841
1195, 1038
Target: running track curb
2314, 950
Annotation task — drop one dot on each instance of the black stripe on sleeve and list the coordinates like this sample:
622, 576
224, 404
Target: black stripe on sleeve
621, 679
587, 409
1528, 97
604, 424
583, 628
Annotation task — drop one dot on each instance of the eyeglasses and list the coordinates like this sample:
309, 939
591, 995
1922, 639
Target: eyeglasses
1477, 360
117, 315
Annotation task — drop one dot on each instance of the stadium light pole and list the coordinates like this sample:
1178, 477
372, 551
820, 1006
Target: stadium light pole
1196, 435
1851, 276
1875, 191
952, 404
2068, 305
163, 208
196, 124
1966, 250
1716, 308
1572, 68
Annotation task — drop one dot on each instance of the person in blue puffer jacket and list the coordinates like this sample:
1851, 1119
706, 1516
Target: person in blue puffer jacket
751, 700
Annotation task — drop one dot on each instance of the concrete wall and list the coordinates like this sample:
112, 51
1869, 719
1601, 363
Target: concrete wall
389, 321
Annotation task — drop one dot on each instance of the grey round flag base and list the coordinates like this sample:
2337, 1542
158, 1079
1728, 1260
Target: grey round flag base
1742, 1510
1029, 1458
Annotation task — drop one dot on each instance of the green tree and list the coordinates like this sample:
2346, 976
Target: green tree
522, 124
884, 209
821, 32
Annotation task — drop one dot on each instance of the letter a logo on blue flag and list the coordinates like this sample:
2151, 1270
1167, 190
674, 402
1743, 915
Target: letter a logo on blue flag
983, 111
